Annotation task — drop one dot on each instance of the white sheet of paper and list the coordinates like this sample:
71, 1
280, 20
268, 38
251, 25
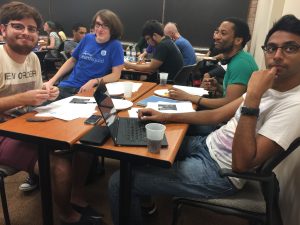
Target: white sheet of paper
65, 110
192, 90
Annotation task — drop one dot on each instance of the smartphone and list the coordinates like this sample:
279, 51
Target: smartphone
93, 119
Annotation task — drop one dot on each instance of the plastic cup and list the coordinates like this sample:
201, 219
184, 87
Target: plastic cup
155, 133
163, 77
127, 89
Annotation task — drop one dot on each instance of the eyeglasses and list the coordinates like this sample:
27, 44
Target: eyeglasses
102, 25
21, 27
287, 48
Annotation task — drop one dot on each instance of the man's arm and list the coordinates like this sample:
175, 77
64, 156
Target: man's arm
112, 77
65, 68
147, 67
234, 91
249, 148
204, 117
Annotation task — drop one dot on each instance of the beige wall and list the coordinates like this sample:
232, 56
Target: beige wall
292, 6
268, 11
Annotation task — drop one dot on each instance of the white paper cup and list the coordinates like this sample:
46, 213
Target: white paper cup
155, 133
127, 89
163, 78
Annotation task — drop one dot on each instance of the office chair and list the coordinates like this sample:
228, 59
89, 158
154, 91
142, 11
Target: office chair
49, 63
257, 201
183, 76
4, 172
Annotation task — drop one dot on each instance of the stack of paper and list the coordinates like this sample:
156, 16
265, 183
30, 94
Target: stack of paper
69, 108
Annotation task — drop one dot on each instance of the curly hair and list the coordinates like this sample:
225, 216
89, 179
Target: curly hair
18, 11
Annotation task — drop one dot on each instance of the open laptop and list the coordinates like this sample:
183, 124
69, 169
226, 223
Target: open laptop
124, 131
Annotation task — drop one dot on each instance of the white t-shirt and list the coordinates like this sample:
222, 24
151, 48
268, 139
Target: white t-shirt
19, 77
278, 121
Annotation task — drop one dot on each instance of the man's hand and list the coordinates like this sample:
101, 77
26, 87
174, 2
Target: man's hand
88, 86
260, 81
178, 94
54, 92
47, 85
151, 114
209, 83
127, 65
35, 97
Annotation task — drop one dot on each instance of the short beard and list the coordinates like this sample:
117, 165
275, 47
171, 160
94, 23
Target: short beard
225, 49
22, 50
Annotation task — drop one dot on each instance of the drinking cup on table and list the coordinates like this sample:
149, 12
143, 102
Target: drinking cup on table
163, 77
155, 133
127, 89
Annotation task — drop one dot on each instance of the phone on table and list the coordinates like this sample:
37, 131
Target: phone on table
93, 119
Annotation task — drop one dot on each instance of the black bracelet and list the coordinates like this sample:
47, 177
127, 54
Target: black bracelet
199, 100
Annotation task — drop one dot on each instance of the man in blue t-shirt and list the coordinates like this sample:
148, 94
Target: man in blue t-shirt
97, 57
185, 47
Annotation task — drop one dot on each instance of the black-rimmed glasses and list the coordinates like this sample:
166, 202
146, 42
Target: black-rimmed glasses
102, 25
286, 48
21, 27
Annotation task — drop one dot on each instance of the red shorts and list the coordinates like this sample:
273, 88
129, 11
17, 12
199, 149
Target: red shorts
18, 154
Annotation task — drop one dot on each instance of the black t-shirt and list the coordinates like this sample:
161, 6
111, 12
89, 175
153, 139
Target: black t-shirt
168, 53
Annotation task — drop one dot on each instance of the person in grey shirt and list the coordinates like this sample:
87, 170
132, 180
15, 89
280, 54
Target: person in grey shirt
79, 32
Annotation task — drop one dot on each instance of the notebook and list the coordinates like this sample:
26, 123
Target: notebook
124, 131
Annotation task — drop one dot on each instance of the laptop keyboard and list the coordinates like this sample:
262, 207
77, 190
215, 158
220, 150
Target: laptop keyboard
136, 130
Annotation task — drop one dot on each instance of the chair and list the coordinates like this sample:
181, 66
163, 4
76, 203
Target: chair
49, 63
4, 172
257, 201
183, 76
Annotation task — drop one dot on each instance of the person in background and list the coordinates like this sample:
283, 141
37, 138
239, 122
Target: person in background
1, 37
54, 40
262, 124
140, 46
185, 47
61, 32
166, 58
97, 57
92, 29
147, 54
79, 31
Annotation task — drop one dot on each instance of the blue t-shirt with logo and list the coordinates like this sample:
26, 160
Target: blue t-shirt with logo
93, 60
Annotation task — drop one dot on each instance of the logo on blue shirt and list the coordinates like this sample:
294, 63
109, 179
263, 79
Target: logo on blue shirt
103, 52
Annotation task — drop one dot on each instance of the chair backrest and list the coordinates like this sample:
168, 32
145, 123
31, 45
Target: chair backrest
183, 77
61, 46
271, 163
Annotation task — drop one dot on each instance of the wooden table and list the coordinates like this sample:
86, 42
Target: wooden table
54, 134
128, 155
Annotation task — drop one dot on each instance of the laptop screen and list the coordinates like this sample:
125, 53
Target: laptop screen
107, 109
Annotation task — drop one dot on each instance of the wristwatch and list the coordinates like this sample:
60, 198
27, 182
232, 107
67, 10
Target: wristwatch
247, 111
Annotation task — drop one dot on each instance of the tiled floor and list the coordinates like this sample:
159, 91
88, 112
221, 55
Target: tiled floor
25, 209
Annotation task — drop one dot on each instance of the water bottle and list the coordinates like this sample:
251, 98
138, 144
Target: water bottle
133, 53
128, 53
